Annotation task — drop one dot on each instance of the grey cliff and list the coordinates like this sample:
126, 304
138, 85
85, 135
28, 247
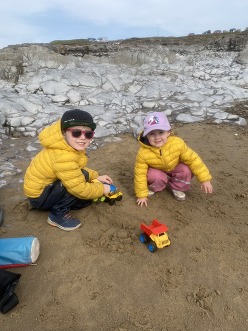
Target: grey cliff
190, 79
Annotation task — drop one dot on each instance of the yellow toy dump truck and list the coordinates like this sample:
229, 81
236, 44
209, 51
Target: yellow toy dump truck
113, 196
154, 235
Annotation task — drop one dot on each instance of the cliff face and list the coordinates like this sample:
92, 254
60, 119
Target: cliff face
131, 52
229, 42
191, 78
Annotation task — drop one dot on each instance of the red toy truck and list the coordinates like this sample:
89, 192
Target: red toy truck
154, 235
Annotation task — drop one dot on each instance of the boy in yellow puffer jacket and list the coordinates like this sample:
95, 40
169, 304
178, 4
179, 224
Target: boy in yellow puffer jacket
57, 179
164, 159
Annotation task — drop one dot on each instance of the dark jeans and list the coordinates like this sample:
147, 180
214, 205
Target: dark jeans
58, 200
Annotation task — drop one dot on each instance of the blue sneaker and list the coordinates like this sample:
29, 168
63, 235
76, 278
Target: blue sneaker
66, 222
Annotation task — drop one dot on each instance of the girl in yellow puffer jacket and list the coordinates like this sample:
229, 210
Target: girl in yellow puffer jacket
57, 179
164, 159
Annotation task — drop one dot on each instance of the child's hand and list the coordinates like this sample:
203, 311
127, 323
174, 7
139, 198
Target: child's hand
142, 202
106, 189
207, 187
105, 179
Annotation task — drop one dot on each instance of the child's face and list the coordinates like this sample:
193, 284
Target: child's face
158, 138
79, 143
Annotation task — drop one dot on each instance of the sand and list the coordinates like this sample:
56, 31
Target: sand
100, 277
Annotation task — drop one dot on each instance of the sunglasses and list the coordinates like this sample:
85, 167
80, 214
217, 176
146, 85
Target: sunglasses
76, 133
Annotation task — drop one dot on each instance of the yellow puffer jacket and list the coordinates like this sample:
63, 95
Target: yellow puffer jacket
166, 158
58, 160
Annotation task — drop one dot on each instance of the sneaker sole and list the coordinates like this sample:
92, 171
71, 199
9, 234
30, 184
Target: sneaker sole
176, 197
179, 199
61, 227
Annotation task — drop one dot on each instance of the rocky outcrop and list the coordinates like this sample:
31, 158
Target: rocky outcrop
134, 51
229, 43
11, 64
120, 82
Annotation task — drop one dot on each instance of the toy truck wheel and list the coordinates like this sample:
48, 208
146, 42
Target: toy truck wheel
143, 238
119, 198
152, 247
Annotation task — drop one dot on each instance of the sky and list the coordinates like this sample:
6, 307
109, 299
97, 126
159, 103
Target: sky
43, 21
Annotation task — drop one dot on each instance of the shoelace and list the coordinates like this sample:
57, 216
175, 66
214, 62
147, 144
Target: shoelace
69, 217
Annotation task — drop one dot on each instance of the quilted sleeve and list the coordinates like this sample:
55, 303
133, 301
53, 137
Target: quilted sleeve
195, 163
67, 170
140, 176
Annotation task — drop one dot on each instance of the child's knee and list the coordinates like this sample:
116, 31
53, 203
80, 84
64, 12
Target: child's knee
156, 175
184, 170
151, 175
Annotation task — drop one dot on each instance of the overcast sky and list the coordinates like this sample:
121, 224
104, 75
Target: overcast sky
38, 21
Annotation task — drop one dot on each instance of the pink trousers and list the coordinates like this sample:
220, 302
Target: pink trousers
178, 179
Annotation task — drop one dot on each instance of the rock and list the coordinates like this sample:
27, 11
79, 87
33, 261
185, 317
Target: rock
190, 80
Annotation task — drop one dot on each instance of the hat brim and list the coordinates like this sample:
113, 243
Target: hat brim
69, 124
156, 127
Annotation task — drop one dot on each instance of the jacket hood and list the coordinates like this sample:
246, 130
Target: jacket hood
143, 141
52, 137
